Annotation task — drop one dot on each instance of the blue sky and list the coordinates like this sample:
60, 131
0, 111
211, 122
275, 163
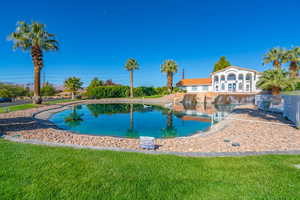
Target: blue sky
97, 37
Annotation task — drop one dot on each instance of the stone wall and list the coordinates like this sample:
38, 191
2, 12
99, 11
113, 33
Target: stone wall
292, 108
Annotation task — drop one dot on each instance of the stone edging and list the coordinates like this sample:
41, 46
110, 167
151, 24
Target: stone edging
153, 152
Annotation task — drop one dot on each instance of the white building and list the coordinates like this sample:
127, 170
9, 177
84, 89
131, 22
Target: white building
232, 79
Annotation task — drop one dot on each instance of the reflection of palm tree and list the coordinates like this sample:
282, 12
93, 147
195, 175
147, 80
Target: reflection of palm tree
74, 119
170, 130
131, 132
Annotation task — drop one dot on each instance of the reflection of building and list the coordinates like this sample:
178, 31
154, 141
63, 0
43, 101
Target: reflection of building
232, 79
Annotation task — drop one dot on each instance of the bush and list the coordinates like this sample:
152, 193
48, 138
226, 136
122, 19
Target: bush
48, 90
107, 92
144, 91
4, 93
15, 90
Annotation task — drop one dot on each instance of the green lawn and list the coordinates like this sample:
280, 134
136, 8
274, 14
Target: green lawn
59, 101
39, 172
17, 107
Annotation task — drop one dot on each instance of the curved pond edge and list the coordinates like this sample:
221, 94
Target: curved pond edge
47, 113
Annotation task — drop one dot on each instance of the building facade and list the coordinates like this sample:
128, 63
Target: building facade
231, 79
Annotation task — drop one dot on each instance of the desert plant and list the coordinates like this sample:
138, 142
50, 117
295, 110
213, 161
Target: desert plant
170, 67
131, 65
34, 38
275, 56
276, 80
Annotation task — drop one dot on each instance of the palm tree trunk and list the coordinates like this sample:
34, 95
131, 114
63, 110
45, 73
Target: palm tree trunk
170, 120
294, 70
170, 81
276, 64
275, 91
37, 58
131, 84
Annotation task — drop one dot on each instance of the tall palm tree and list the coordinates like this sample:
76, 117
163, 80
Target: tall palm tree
131, 65
293, 56
34, 38
276, 80
170, 67
275, 56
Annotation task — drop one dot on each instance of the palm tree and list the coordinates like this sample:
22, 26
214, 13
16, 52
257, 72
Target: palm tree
74, 119
293, 56
34, 38
276, 80
275, 56
170, 67
170, 130
73, 84
131, 65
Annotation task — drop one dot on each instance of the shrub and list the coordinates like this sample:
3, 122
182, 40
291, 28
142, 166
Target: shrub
144, 91
107, 92
4, 93
48, 90
15, 90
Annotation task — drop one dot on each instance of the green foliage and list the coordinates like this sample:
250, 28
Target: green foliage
73, 84
98, 109
108, 92
276, 78
15, 90
31, 35
276, 56
5, 93
123, 91
131, 64
221, 64
48, 90
95, 83
169, 66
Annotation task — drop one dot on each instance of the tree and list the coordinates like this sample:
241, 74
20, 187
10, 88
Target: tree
276, 80
131, 65
293, 56
170, 67
73, 84
95, 83
221, 64
48, 90
74, 119
275, 56
5, 93
34, 38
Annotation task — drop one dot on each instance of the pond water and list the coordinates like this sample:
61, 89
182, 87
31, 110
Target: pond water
133, 120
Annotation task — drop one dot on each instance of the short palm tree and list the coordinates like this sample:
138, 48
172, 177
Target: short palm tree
34, 38
275, 56
73, 84
131, 65
276, 80
170, 67
293, 56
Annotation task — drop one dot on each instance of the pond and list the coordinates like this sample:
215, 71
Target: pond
133, 120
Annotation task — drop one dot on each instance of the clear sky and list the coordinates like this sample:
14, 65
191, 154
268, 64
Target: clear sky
97, 37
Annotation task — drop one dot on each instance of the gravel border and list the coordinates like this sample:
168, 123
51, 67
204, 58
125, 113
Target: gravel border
186, 154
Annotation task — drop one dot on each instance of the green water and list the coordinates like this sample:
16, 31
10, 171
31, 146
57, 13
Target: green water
128, 120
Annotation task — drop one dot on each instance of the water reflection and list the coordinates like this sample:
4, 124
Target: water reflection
134, 120
170, 130
74, 119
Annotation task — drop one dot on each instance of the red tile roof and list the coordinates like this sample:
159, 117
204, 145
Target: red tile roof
194, 81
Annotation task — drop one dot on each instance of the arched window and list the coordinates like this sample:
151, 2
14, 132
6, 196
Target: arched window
216, 78
241, 77
231, 77
248, 77
222, 78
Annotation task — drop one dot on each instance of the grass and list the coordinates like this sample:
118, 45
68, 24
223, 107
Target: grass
153, 96
40, 172
59, 101
17, 107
